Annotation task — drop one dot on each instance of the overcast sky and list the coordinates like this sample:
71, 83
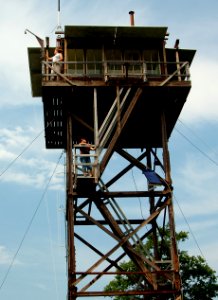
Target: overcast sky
32, 238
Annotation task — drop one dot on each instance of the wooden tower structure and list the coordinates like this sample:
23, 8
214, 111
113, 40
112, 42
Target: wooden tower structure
122, 89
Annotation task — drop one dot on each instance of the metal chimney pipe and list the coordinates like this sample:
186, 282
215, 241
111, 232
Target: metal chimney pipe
132, 21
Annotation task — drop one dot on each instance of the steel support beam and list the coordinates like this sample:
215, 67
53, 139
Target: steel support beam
93, 207
174, 251
110, 150
70, 213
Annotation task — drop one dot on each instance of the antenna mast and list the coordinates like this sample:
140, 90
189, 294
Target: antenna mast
59, 29
59, 12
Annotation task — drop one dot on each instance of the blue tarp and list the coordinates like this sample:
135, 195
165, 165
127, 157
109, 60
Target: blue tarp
152, 177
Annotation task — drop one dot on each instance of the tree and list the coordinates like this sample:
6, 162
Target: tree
199, 281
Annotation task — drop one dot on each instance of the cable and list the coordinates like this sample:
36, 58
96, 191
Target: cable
30, 224
51, 249
192, 131
139, 199
213, 161
27, 147
189, 228
202, 152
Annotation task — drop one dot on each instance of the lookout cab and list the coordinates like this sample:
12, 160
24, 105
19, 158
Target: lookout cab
122, 90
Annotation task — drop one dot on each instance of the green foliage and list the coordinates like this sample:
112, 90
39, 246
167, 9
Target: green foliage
199, 281
124, 282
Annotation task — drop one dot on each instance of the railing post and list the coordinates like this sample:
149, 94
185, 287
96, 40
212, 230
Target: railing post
65, 57
96, 137
187, 71
177, 60
144, 71
165, 60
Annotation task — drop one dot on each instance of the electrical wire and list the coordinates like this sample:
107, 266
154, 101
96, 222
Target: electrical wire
192, 131
24, 150
197, 148
210, 159
136, 188
198, 137
29, 225
51, 249
140, 203
193, 236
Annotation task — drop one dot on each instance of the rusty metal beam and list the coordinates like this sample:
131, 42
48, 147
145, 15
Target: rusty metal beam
123, 121
121, 194
164, 197
103, 222
137, 163
112, 262
70, 211
127, 293
139, 259
81, 121
125, 170
160, 203
174, 251
111, 265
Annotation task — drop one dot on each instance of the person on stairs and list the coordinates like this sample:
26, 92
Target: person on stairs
85, 157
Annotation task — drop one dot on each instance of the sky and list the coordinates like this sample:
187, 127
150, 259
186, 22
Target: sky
32, 197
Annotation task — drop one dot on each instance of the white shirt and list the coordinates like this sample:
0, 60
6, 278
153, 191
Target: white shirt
56, 58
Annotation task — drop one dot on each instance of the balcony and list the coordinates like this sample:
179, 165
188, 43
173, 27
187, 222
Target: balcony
103, 72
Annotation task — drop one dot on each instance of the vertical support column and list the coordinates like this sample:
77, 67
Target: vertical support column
96, 137
164, 59
70, 214
65, 57
166, 157
153, 222
95, 104
118, 108
152, 205
176, 46
46, 55
174, 251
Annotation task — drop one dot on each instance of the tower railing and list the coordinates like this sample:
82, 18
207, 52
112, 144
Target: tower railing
83, 169
104, 70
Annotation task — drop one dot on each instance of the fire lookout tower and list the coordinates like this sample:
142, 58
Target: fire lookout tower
122, 90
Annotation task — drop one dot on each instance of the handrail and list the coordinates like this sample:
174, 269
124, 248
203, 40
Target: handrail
114, 68
175, 73
78, 165
56, 72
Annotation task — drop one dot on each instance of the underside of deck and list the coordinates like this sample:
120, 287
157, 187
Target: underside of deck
142, 128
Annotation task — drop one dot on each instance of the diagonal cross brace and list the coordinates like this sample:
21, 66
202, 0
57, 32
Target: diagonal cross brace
59, 74
113, 142
123, 241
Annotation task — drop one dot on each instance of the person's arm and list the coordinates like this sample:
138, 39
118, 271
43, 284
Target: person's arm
61, 57
48, 58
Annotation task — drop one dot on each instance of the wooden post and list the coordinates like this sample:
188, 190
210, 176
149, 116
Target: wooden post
174, 251
65, 57
96, 138
46, 68
70, 214
118, 108
176, 46
166, 157
164, 59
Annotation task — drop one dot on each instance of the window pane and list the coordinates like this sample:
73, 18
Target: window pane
76, 56
94, 61
114, 65
133, 61
151, 58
